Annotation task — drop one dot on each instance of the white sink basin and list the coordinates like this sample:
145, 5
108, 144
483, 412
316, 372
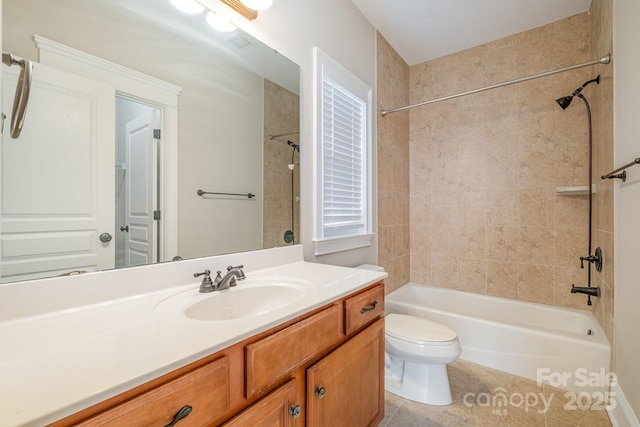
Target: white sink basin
251, 297
240, 302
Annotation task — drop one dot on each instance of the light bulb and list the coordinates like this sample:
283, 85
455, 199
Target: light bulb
257, 4
219, 22
188, 6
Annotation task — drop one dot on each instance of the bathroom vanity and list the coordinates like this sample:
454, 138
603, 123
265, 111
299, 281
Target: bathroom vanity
141, 360
322, 366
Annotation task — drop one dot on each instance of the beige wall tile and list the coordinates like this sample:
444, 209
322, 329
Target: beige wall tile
472, 275
394, 205
502, 279
536, 283
281, 114
536, 208
502, 243
482, 170
536, 245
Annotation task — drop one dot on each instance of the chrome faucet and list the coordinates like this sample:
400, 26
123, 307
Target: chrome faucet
236, 271
219, 283
222, 283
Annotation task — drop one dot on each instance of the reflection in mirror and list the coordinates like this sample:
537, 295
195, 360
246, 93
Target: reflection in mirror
193, 108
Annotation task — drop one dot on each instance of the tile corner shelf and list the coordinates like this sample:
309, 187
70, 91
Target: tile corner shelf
575, 190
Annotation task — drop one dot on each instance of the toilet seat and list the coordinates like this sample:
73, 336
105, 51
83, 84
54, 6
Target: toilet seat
418, 330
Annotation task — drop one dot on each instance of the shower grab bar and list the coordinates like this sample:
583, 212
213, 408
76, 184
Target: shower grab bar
603, 60
623, 175
249, 195
23, 88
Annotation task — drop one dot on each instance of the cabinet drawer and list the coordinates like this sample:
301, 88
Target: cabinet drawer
274, 356
363, 308
205, 389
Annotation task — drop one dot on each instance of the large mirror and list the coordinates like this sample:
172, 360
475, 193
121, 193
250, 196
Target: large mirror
134, 107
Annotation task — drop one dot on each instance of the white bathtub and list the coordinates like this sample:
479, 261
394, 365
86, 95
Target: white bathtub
541, 342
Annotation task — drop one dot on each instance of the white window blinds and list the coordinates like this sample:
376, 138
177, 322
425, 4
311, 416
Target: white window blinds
343, 160
342, 215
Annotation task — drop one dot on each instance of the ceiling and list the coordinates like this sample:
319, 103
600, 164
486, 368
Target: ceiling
421, 30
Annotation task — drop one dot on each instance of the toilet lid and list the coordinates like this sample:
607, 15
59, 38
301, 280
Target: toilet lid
416, 329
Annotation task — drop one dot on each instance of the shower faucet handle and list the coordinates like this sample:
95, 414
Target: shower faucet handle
595, 259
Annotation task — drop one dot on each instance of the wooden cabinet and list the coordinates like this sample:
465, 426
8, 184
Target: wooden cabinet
348, 384
204, 390
277, 409
272, 357
271, 379
363, 308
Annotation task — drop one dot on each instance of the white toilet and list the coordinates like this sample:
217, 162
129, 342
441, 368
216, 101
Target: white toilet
417, 351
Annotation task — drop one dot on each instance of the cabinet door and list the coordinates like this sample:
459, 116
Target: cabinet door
277, 409
346, 388
269, 359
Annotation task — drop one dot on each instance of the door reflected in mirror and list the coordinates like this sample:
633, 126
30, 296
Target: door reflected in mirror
135, 107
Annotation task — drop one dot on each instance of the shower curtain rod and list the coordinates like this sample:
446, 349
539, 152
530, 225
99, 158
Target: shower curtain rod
270, 137
603, 60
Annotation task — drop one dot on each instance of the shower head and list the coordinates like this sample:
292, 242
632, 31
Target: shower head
566, 100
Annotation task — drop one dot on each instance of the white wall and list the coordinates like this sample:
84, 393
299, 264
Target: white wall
626, 62
294, 27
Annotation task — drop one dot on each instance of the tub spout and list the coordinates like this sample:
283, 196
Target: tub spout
591, 291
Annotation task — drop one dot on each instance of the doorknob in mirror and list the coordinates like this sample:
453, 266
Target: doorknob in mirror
125, 228
105, 237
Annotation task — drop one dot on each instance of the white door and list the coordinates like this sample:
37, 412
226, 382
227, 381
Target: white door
57, 177
140, 183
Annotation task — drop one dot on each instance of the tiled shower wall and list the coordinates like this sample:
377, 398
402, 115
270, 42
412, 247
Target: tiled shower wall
602, 101
281, 115
484, 212
393, 166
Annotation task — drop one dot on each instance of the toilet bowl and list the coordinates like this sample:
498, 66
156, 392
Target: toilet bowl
417, 351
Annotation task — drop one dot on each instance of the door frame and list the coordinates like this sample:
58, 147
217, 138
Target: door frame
143, 88
153, 157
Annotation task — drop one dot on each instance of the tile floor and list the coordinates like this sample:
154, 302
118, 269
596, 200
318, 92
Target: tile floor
479, 386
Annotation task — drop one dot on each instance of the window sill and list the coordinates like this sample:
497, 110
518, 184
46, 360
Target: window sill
339, 244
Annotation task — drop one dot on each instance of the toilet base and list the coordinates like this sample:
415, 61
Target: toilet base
418, 382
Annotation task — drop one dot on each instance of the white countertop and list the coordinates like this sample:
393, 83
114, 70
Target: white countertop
57, 362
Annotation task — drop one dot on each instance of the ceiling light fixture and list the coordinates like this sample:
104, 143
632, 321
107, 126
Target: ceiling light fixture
257, 4
188, 6
220, 22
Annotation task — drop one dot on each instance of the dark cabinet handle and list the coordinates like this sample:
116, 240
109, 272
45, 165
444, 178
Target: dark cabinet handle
320, 392
369, 307
295, 410
181, 415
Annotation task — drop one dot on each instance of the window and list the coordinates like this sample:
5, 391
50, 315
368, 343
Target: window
343, 104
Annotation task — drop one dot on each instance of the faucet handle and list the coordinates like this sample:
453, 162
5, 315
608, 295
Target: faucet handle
207, 284
218, 279
237, 271
206, 273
